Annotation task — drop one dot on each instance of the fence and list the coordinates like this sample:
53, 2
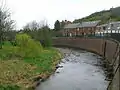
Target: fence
115, 36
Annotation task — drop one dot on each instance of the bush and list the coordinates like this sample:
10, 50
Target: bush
47, 38
22, 40
24, 46
27, 46
13, 43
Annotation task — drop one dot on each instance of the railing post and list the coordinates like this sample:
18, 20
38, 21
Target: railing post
104, 48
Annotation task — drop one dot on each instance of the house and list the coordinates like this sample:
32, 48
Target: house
112, 27
82, 28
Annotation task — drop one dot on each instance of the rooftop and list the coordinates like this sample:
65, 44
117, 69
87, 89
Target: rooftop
82, 24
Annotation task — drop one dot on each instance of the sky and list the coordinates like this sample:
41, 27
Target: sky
24, 11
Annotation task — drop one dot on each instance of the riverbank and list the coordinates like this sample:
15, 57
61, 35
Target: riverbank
24, 62
48, 67
22, 74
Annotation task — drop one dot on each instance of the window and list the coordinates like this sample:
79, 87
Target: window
70, 34
112, 25
109, 28
104, 28
118, 27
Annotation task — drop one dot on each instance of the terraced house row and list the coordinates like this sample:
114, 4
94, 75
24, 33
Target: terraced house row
88, 28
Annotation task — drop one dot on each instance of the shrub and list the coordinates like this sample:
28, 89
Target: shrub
13, 43
47, 38
27, 46
22, 40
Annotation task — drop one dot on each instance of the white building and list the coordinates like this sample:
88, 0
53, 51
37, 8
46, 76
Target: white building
112, 27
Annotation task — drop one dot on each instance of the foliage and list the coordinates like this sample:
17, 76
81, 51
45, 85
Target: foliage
24, 46
56, 33
115, 11
46, 61
20, 72
46, 37
27, 46
22, 57
32, 25
9, 87
105, 16
10, 35
57, 25
6, 24
62, 24
42, 34
8, 52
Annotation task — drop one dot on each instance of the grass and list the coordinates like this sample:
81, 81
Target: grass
17, 72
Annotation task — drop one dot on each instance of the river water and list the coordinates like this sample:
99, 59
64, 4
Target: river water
80, 71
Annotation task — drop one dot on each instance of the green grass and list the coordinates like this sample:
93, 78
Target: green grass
18, 71
9, 87
45, 61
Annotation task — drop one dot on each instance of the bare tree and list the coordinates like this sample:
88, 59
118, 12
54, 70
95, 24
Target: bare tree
6, 23
32, 26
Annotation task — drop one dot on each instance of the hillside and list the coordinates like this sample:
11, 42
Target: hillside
106, 15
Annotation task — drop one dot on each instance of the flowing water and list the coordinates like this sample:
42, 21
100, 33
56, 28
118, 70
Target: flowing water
80, 71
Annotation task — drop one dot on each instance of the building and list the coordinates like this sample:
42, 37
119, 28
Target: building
82, 28
112, 27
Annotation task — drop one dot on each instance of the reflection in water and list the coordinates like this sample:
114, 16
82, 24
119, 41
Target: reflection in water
80, 72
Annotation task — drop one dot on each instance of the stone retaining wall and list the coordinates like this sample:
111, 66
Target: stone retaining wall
110, 49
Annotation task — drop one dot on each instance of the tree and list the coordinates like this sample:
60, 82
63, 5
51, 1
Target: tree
42, 33
62, 25
32, 25
57, 25
28, 47
6, 24
10, 35
46, 36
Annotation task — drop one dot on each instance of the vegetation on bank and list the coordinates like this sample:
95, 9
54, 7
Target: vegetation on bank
24, 59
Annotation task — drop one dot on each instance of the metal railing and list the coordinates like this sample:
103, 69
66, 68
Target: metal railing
115, 36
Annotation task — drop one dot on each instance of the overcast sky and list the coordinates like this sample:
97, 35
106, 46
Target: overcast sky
24, 11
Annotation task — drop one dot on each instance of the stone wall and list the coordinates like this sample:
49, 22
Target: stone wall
106, 48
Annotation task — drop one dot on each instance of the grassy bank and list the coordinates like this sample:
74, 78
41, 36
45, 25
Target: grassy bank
20, 66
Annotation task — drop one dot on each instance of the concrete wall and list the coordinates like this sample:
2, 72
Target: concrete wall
107, 48
91, 44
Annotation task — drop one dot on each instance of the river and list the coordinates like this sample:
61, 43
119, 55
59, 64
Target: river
80, 70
